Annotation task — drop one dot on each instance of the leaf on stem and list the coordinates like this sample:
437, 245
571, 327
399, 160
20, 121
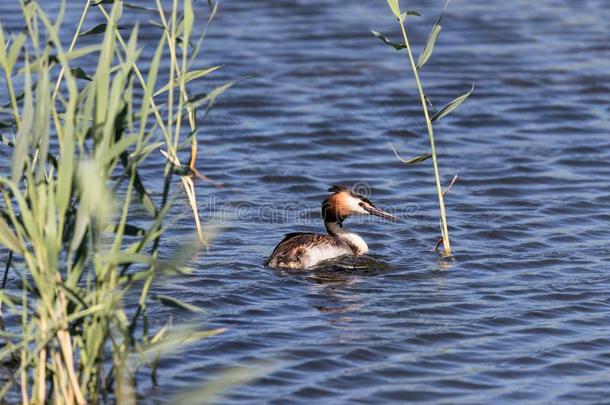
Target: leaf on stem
176, 303
134, 6
14, 52
450, 185
416, 159
432, 37
156, 24
394, 7
209, 98
8, 237
404, 15
183, 79
452, 105
24, 135
79, 73
189, 19
386, 41
213, 11
99, 29
427, 52
80, 52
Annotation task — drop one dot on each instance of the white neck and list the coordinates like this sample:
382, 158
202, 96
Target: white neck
353, 240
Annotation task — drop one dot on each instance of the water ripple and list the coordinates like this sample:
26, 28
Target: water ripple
520, 314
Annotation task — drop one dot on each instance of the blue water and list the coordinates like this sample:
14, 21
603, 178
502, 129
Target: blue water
522, 311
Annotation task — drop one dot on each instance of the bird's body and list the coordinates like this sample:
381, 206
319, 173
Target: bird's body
304, 250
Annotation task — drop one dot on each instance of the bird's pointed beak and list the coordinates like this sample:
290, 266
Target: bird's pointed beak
380, 213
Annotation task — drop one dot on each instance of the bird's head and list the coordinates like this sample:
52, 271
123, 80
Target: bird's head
344, 202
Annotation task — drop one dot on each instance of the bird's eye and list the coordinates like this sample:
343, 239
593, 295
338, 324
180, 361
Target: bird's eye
361, 204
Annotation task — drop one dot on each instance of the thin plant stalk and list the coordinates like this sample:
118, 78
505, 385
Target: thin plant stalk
449, 108
439, 191
71, 47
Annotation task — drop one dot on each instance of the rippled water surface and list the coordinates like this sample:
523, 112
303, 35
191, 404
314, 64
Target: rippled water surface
521, 313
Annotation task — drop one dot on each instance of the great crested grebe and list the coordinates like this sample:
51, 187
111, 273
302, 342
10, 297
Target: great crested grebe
303, 250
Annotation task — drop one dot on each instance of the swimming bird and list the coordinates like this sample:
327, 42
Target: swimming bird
304, 250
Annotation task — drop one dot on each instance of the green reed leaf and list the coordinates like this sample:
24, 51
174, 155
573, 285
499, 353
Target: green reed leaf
10, 299
156, 24
117, 148
209, 98
386, 41
79, 73
8, 237
143, 152
99, 29
417, 159
80, 52
38, 64
95, 201
134, 6
132, 230
394, 6
213, 11
452, 105
403, 16
427, 52
174, 341
3, 55
42, 119
189, 19
23, 139
213, 391
176, 303
15, 51
192, 75
149, 86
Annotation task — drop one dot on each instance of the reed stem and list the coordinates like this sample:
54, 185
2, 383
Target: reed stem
71, 47
439, 191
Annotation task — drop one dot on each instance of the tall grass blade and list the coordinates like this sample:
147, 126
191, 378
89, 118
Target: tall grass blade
22, 143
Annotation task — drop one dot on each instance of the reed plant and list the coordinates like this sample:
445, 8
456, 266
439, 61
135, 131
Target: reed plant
79, 135
430, 117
